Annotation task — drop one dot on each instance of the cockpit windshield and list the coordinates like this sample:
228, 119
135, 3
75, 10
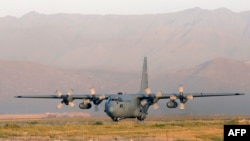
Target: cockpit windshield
115, 99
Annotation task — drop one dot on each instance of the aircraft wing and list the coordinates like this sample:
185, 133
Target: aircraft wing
168, 96
154, 98
83, 96
68, 99
39, 96
215, 94
174, 96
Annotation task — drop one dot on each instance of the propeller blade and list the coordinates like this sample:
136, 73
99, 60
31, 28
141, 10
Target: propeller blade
173, 97
86, 101
143, 102
102, 97
58, 93
155, 106
147, 91
70, 92
59, 105
158, 94
155, 100
92, 91
181, 89
190, 97
182, 106
71, 104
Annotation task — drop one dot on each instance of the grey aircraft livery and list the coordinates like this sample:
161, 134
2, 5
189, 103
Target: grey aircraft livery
120, 106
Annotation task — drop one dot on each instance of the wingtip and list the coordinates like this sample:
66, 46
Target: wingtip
18, 96
239, 94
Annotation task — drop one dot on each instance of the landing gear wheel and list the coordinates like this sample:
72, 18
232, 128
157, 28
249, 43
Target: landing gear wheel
141, 118
115, 119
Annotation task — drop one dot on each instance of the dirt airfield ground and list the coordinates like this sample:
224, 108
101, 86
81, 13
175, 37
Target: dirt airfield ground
90, 128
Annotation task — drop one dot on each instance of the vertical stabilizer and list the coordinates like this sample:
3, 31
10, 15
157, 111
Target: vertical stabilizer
144, 78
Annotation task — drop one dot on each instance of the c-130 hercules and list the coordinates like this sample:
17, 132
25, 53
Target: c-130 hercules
120, 106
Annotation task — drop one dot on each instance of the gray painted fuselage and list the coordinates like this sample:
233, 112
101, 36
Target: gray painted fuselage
125, 106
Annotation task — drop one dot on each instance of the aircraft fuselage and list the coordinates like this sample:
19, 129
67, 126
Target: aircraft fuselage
125, 106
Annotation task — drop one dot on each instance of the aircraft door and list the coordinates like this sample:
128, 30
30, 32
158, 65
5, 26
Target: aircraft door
120, 102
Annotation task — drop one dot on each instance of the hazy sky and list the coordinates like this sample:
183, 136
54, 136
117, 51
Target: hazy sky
20, 7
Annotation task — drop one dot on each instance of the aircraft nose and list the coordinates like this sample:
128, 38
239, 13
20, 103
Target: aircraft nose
111, 109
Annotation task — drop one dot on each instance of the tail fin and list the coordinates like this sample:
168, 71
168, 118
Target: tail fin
144, 78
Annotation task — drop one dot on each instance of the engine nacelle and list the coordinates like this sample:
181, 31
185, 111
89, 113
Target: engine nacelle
172, 104
97, 101
85, 105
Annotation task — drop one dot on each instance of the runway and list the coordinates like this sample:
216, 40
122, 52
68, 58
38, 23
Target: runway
158, 128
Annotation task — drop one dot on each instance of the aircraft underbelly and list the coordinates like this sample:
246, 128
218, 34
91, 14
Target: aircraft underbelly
122, 110
125, 110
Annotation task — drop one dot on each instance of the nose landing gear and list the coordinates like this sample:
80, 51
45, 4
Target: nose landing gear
142, 117
115, 119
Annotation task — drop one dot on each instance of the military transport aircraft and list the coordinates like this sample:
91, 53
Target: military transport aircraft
120, 106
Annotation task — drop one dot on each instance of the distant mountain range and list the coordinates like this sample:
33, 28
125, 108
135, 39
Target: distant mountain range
119, 42
206, 51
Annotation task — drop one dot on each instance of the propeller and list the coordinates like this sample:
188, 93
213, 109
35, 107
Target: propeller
157, 95
182, 106
173, 97
92, 91
147, 91
66, 99
143, 102
181, 89
183, 99
70, 92
59, 105
86, 101
96, 100
58, 93
71, 104
69, 98
154, 99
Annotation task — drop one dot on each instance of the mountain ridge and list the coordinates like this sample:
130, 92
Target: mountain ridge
78, 41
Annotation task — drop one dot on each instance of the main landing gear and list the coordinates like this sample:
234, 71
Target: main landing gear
142, 117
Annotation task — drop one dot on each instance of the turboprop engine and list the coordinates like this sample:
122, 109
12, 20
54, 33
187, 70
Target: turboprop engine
85, 105
183, 99
172, 104
66, 99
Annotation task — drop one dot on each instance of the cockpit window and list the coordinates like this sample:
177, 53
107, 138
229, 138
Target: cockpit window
116, 99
